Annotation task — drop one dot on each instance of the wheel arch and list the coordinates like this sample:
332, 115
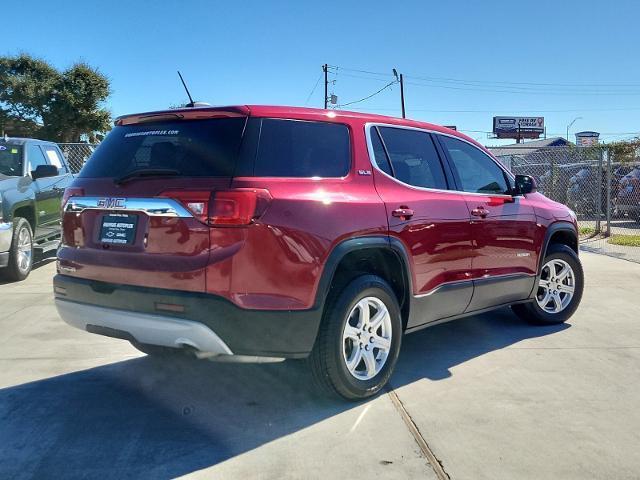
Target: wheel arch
379, 255
563, 233
559, 233
26, 211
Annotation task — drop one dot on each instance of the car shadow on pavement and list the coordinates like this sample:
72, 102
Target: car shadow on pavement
162, 418
432, 352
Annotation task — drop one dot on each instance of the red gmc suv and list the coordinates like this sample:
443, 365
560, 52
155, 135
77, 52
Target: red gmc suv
261, 233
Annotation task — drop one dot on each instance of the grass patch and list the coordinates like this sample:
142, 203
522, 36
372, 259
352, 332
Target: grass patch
586, 230
625, 240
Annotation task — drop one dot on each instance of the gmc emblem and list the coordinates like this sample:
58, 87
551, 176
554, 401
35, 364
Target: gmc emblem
111, 203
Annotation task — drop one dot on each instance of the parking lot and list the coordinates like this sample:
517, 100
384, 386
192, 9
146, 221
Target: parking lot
488, 396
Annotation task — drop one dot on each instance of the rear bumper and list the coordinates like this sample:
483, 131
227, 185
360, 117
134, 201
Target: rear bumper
142, 327
209, 323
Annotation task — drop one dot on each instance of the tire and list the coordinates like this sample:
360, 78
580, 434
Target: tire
533, 312
156, 350
371, 371
21, 252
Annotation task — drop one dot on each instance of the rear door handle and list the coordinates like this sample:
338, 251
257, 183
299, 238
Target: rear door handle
480, 212
403, 213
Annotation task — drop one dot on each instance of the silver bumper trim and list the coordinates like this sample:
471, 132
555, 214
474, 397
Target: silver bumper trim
163, 207
6, 235
144, 327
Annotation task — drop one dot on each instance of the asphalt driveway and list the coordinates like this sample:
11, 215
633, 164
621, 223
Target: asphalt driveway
485, 397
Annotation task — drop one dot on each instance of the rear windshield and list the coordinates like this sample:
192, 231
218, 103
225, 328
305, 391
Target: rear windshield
199, 148
10, 160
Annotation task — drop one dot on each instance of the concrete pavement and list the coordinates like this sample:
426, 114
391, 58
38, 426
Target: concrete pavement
490, 396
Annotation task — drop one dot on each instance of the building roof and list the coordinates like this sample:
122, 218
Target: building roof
527, 148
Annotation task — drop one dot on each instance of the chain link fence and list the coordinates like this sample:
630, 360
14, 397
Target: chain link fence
77, 154
600, 184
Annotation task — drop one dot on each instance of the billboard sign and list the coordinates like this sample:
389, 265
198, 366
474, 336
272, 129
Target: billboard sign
518, 127
587, 139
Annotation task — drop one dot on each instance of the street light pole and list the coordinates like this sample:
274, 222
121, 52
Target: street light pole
400, 80
571, 125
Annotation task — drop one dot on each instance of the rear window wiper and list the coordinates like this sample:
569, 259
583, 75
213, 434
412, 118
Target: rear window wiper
146, 172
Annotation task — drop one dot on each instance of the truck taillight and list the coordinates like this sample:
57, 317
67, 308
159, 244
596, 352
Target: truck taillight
68, 193
238, 207
196, 201
223, 208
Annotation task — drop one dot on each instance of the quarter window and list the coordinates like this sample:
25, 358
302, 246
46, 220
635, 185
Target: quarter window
380, 156
414, 158
295, 148
477, 172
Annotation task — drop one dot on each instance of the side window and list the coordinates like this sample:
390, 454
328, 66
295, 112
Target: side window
35, 157
294, 148
478, 173
380, 156
414, 158
53, 155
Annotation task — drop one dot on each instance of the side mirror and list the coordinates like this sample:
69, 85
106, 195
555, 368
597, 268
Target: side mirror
524, 184
43, 171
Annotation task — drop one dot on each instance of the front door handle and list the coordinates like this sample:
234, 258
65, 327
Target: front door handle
404, 213
480, 212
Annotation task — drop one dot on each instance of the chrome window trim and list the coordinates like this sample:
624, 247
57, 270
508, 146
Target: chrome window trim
373, 163
154, 207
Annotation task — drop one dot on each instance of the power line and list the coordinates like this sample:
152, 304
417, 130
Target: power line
492, 82
525, 92
499, 86
525, 84
335, 67
511, 111
369, 96
313, 89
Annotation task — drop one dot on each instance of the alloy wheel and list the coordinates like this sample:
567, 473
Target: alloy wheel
556, 286
366, 338
25, 250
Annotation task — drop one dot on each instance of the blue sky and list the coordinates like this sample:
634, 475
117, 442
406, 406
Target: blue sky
557, 59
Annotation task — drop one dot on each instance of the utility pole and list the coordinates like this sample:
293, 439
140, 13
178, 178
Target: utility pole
402, 95
325, 68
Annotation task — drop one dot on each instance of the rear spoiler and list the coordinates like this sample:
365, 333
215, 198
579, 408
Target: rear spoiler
197, 113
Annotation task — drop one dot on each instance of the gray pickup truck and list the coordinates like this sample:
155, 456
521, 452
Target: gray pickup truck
33, 176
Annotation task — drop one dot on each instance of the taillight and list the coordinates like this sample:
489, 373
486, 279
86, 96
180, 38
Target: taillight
238, 207
68, 193
196, 201
229, 207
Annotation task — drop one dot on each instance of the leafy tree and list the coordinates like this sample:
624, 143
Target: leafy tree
625, 151
63, 106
